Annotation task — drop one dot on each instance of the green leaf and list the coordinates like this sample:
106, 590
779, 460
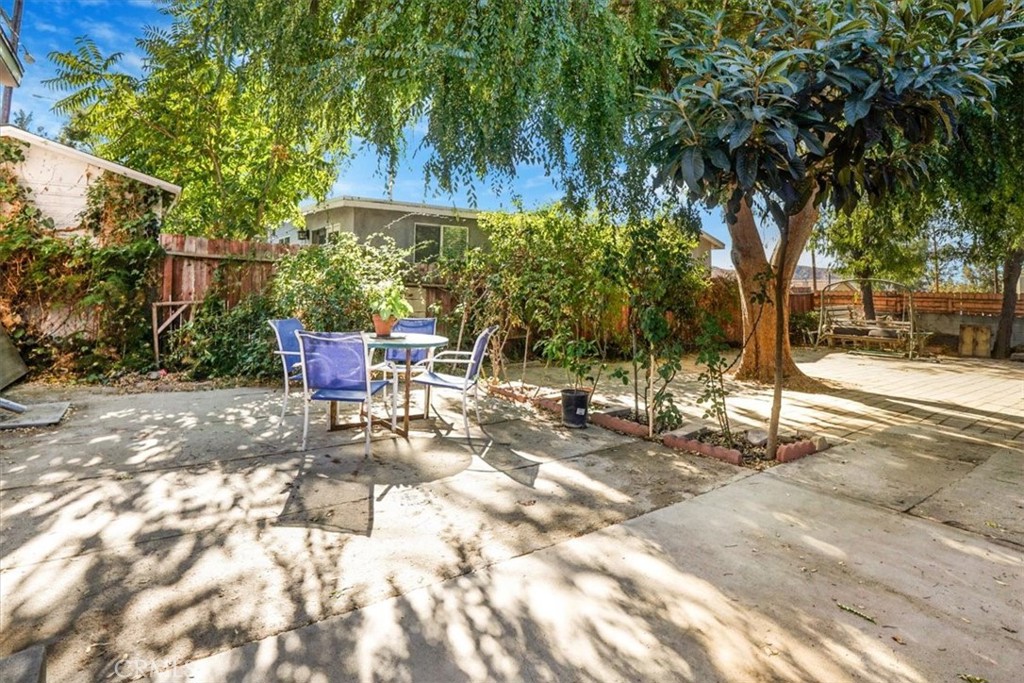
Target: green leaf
812, 142
743, 130
855, 110
692, 167
903, 79
747, 167
977, 7
719, 158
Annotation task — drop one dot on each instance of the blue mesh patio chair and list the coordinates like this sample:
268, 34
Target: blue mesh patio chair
288, 350
394, 359
336, 367
473, 360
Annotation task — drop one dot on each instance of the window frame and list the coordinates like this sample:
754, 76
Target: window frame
442, 227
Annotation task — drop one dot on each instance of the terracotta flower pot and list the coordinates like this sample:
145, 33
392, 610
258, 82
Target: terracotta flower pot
383, 327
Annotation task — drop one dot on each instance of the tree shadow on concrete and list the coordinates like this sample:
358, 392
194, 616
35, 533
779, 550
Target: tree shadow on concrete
617, 608
147, 528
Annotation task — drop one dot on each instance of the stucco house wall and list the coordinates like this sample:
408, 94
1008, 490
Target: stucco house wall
396, 223
367, 217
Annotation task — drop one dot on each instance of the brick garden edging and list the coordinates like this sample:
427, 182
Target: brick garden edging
784, 453
611, 421
729, 455
794, 451
552, 405
617, 424
507, 394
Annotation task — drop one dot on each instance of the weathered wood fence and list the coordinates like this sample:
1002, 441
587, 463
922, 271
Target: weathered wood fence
952, 303
193, 265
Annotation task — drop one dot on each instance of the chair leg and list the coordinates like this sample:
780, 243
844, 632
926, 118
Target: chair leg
369, 423
284, 403
394, 401
465, 413
476, 404
305, 422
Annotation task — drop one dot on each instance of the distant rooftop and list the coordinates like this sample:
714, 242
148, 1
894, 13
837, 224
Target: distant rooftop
370, 203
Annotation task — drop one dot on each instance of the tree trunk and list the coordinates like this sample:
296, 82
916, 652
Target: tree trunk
1011, 274
750, 261
868, 294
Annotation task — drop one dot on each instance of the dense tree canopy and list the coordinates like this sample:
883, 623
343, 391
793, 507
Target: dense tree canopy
492, 85
191, 120
984, 176
822, 101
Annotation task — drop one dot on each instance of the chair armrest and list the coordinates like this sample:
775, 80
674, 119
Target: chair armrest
457, 354
446, 358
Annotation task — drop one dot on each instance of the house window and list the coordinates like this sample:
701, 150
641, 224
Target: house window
319, 236
286, 241
432, 241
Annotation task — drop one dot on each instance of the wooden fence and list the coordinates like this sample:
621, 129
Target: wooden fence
951, 303
193, 265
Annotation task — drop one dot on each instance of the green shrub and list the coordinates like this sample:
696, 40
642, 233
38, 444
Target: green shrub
74, 306
227, 342
802, 327
328, 287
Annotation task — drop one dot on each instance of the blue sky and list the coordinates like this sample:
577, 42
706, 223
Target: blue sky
53, 25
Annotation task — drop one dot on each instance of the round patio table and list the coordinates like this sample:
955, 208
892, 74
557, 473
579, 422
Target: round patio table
408, 341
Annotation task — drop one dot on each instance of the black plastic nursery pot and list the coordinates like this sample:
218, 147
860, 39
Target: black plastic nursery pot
575, 404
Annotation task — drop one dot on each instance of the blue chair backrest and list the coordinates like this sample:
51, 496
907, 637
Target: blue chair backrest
334, 360
414, 326
285, 330
479, 349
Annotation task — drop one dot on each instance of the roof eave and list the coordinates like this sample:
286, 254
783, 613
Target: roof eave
370, 203
12, 70
32, 139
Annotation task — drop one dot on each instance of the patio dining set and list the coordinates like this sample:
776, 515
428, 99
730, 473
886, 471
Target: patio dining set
338, 367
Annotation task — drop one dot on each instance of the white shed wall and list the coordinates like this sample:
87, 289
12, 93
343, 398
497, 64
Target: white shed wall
58, 184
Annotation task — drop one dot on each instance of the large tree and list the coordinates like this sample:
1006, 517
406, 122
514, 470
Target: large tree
489, 86
985, 177
820, 102
191, 120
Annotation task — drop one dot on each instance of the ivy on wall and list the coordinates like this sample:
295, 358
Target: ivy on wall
76, 306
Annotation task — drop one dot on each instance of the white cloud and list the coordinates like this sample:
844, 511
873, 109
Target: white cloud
101, 31
133, 63
44, 27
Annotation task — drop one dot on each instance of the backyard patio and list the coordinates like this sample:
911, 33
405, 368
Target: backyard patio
185, 535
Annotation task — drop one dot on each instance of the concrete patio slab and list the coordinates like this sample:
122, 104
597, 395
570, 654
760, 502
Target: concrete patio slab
988, 501
897, 468
27, 666
154, 529
221, 533
761, 580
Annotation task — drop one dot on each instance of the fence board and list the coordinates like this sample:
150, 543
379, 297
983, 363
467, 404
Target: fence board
960, 303
192, 265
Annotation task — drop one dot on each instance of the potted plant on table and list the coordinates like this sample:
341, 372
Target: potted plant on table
387, 305
579, 358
